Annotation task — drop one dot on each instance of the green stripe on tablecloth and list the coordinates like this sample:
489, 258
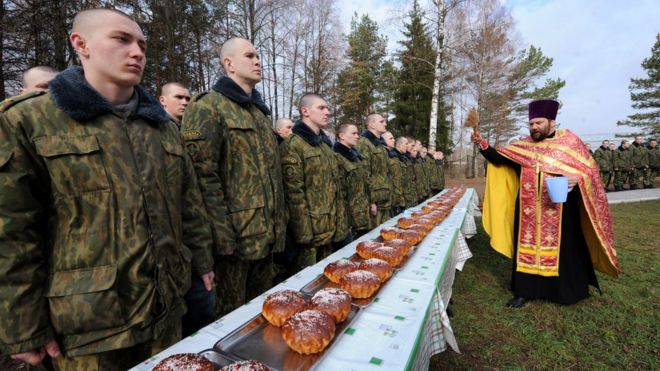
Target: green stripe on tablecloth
420, 333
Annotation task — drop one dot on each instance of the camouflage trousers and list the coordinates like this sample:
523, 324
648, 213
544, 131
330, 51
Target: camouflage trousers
121, 359
638, 177
606, 176
239, 281
649, 177
308, 256
620, 178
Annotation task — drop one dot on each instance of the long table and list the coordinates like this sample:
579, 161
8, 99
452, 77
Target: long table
405, 324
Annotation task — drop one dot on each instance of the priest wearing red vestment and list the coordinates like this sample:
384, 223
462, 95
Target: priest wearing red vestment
554, 246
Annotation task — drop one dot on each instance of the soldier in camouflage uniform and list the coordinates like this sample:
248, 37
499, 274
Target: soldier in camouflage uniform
100, 211
408, 189
439, 159
603, 157
432, 171
352, 173
640, 160
421, 180
379, 184
396, 171
312, 185
654, 162
623, 165
230, 139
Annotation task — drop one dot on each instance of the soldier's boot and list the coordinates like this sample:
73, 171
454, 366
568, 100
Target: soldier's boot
633, 186
617, 188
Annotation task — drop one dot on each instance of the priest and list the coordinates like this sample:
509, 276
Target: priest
554, 246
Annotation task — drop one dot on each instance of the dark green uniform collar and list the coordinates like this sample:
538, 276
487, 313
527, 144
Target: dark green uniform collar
309, 136
372, 138
73, 95
349, 153
231, 90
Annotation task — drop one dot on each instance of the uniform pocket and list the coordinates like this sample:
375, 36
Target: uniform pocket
84, 300
248, 222
75, 163
174, 166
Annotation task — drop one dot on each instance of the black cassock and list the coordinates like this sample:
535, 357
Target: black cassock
576, 272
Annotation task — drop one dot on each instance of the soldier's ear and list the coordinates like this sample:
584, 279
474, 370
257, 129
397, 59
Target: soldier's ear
79, 44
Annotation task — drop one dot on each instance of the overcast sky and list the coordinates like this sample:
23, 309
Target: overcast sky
597, 46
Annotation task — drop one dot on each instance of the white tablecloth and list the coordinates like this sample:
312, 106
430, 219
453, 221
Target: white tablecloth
406, 323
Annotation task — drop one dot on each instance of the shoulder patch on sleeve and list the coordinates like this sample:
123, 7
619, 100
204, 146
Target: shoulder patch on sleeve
11, 101
288, 159
191, 134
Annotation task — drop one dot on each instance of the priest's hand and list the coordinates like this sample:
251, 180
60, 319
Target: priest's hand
374, 209
476, 137
572, 181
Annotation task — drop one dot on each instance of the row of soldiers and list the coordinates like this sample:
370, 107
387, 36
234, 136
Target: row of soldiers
635, 165
120, 213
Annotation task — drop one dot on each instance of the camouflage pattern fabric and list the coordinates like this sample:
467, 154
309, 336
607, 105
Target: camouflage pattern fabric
623, 166
121, 359
312, 188
421, 181
236, 158
379, 183
240, 281
353, 189
409, 188
396, 170
640, 162
99, 222
435, 183
605, 160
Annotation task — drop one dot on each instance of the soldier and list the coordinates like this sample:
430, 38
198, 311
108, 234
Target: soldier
432, 171
100, 211
311, 184
603, 157
175, 97
230, 139
396, 171
654, 162
379, 186
408, 175
352, 171
423, 180
622, 165
640, 161
439, 158
588, 145
282, 129
36, 79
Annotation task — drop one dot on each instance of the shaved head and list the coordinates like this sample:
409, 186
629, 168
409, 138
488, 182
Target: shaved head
85, 21
344, 128
36, 78
307, 100
167, 88
231, 47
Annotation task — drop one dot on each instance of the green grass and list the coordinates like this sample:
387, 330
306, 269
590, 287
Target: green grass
613, 331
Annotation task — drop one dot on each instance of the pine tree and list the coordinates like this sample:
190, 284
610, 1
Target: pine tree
645, 94
412, 106
359, 84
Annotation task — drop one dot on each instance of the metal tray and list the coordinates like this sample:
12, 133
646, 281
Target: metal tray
257, 339
321, 282
219, 360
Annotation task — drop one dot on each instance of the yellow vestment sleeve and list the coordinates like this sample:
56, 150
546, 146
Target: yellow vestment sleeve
499, 206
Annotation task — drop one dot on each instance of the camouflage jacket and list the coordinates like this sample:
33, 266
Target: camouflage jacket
312, 188
409, 190
623, 159
100, 216
396, 172
604, 158
236, 157
654, 158
379, 183
352, 173
640, 155
432, 174
439, 168
421, 181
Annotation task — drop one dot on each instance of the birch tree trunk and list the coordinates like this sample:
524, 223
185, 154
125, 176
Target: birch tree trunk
435, 101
